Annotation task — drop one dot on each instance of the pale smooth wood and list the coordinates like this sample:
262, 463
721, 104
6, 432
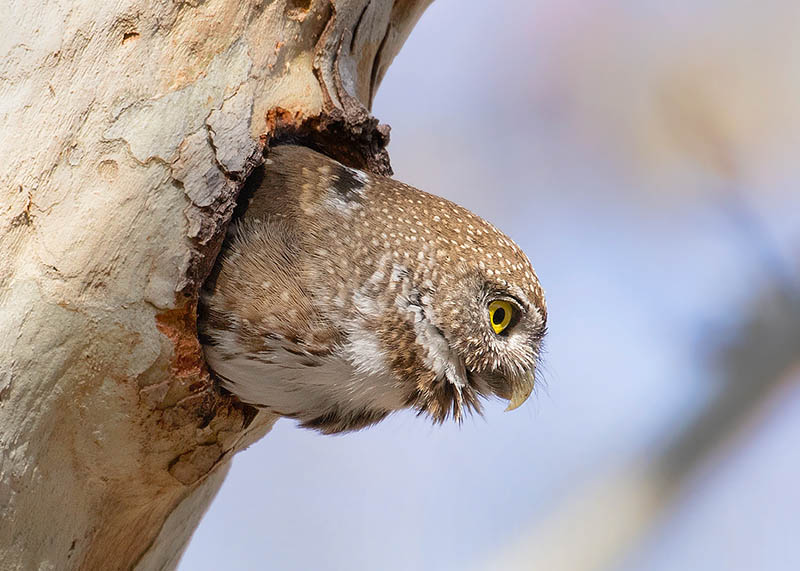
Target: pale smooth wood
126, 129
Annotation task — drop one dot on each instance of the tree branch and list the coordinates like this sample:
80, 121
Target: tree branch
129, 131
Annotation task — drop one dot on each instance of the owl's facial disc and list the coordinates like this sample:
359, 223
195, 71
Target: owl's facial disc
513, 372
493, 328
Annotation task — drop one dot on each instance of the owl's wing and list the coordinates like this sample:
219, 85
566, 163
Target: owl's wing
255, 312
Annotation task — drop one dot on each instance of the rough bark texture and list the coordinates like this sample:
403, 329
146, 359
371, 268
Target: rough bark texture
127, 130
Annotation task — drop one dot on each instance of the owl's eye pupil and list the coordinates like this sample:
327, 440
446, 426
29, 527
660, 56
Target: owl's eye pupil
499, 316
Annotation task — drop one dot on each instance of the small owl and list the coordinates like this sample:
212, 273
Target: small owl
343, 296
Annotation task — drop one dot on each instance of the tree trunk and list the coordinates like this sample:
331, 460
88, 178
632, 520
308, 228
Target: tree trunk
126, 132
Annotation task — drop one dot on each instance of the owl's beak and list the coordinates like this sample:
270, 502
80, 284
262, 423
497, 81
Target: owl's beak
521, 391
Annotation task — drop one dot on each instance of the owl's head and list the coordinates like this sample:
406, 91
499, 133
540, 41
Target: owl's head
472, 308
494, 325
485, 319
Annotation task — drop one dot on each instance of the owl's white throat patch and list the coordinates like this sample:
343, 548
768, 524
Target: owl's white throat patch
438, 356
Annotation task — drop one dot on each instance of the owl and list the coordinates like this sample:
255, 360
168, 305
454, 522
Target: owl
342, 296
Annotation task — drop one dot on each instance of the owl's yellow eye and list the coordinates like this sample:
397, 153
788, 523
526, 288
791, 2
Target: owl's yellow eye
500, 312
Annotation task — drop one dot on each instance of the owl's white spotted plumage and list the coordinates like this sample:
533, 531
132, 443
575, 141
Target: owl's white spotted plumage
343, 296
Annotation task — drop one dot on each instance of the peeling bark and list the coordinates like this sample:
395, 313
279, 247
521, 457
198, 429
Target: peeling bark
128, 132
